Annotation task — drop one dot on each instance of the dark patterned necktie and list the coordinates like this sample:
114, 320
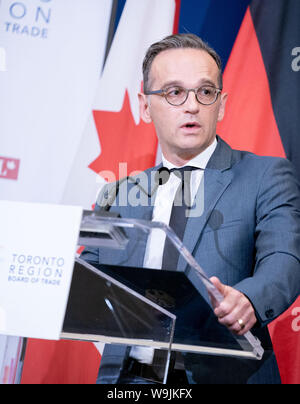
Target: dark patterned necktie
179, 216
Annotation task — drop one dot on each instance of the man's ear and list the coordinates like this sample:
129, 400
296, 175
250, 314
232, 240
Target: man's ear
221, 114
144, 108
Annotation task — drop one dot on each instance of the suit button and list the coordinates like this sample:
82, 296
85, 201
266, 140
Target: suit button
269, 313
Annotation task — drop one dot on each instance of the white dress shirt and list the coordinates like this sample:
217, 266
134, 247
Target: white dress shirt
162, 213
164, 202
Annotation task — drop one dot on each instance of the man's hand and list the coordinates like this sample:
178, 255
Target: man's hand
235, 311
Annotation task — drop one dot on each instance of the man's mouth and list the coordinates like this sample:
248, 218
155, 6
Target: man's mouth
191, 125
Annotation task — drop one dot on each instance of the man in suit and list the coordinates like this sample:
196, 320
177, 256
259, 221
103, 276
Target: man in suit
247, 238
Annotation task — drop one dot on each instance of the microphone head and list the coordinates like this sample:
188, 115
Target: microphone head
216, 220
162, 176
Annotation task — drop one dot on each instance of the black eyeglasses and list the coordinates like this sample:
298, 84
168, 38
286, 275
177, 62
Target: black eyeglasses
175, 95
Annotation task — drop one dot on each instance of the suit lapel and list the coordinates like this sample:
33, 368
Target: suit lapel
217, 177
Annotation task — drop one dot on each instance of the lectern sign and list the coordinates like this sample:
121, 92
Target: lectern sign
37, 250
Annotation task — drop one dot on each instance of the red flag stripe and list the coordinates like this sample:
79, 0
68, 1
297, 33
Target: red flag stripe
285, 332
249, 122
60, 362
177, 15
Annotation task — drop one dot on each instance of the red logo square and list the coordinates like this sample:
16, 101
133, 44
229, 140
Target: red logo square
9, 168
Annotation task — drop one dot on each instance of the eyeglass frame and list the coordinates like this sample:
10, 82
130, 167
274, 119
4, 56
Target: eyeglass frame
162, 93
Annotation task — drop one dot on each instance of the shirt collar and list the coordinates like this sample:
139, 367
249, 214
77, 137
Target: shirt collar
199, 161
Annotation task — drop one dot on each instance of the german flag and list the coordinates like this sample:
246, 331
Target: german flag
262, 78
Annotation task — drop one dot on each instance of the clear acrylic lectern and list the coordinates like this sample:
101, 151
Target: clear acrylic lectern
114, 300
190, 325
132, 235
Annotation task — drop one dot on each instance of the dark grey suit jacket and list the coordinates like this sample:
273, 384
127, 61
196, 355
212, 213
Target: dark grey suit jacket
248, 236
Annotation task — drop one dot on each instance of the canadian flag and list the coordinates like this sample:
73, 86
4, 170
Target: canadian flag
114, 134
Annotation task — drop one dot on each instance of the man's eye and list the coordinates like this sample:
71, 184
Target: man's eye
205, 91
173, 92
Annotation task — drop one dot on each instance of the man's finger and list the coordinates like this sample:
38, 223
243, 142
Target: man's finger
217, 283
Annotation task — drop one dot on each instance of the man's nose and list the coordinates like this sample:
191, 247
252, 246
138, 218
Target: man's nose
191, 104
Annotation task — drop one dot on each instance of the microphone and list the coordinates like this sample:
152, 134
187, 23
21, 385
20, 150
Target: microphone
161, 177
215, 222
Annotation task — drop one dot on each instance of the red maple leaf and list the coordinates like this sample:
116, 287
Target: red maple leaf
122, 141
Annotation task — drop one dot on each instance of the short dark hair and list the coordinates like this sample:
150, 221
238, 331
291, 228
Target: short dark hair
178, 41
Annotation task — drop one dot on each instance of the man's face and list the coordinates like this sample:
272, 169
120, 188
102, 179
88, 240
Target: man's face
183, 131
